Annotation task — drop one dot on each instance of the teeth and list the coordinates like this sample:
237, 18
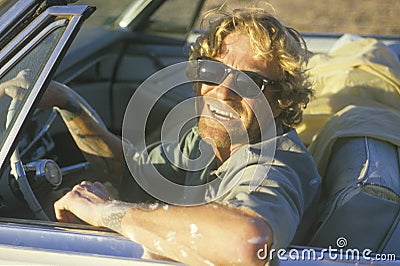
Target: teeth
223, 115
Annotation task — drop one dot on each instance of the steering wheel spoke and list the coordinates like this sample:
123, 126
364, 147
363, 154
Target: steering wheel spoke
25, 188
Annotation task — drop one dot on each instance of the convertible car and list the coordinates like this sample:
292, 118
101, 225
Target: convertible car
106, 63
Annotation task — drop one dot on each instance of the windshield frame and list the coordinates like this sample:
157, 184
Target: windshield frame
11, 17
72, 17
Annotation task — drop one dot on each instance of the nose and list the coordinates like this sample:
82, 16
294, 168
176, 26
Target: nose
224, 91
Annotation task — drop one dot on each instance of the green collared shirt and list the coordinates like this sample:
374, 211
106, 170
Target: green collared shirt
276, 178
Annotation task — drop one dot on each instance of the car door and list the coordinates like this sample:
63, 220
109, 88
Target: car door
35, 36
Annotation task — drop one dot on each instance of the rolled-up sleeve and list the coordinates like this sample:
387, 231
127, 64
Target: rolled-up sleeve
290, 186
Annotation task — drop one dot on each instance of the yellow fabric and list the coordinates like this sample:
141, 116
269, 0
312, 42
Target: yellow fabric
361, 73
357, 86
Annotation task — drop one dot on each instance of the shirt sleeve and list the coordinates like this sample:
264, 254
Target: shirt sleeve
290, 186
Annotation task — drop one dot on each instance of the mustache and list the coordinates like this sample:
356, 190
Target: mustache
233, 106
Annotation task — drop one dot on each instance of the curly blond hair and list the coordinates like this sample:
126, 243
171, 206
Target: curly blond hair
270, 40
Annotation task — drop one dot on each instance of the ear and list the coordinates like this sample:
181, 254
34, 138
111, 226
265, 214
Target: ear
276, 111
272, 98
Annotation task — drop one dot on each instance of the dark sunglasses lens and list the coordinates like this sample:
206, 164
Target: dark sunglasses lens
245, 85
211, 73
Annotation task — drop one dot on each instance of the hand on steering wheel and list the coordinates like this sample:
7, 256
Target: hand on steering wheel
16, 87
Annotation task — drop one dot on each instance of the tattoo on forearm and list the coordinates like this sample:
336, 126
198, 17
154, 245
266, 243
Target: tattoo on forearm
70, 111
90, 141
114, 213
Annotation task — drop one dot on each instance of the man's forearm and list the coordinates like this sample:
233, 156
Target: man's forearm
113, 214
185, 233
99, 146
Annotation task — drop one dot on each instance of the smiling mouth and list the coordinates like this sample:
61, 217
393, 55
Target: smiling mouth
221, 114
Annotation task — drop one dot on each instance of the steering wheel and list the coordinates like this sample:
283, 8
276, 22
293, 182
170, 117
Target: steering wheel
45, 170
18, 171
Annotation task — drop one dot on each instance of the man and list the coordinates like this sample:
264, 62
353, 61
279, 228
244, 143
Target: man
236, 227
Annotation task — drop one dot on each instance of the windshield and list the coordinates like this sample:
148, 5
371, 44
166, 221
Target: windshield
12, 100
329, 16
4, 5
106, 11
163, 21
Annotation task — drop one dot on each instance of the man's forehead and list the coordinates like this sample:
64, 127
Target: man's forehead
237, 44
236, 50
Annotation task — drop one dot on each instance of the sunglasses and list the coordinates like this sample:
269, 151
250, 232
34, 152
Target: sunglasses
212, 73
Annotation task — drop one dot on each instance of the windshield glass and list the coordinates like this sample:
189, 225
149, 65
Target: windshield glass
106, 11
163, 21
329, 16
4, 5
12, 99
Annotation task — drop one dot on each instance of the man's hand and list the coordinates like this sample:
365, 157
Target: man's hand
85, 201
56, 95
16, 87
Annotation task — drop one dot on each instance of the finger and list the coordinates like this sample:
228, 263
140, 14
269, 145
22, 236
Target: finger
23, 80
89, 193
15, 92
99, 186
70, 217
89, 186
61, 211
64, 208
26, 73
66, 217
25, 77
78, 187
86, 186
98, 190
86, 183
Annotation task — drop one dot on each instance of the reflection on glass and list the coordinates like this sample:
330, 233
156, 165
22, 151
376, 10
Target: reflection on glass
17, 84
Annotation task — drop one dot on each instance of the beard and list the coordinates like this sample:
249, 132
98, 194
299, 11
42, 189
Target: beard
223, 134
